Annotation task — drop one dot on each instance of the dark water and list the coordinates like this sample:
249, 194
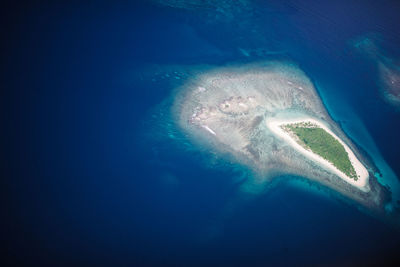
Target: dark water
83, 186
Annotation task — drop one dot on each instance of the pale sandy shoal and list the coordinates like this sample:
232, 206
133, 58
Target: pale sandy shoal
361, 183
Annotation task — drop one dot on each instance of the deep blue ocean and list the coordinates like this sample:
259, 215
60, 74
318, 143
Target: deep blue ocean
90, 176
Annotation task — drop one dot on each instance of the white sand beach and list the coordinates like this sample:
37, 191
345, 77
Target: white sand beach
361, 183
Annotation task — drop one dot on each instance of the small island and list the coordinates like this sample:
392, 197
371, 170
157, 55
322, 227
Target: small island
320, 142
314, 140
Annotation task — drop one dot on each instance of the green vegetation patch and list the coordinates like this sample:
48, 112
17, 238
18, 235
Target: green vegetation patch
323, 144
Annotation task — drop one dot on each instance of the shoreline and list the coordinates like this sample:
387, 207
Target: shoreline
361, 183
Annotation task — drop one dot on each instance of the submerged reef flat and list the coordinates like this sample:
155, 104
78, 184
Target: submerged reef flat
387, 69
230, 111
390, 82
